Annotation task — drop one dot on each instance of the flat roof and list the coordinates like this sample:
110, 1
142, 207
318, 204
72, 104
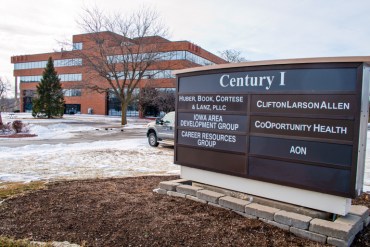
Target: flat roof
354, 59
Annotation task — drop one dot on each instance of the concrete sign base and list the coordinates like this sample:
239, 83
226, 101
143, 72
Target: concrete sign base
310, 199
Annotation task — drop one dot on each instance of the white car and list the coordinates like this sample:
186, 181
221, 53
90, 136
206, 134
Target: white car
162, 131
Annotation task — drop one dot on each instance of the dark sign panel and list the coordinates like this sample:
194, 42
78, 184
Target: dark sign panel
229, 163
227, 142
318, 80
296, 174
295, 125
212, 103
225, 123
304, 127
305, 104
319, 152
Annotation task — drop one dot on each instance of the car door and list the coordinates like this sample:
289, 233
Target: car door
166, 128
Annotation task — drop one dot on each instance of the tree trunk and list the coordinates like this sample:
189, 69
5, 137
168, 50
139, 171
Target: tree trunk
1, 119
124, 111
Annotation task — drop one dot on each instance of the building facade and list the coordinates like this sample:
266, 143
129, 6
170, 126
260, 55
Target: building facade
74, 74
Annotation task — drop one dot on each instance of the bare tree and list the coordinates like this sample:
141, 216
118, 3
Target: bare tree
165, 101
146, 99
4, 87
232, 56
125, 50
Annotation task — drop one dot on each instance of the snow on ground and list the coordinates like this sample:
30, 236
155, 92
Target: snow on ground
99, 159
57, 131
132, 157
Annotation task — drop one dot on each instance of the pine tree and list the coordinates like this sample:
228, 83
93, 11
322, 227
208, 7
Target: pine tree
50, 99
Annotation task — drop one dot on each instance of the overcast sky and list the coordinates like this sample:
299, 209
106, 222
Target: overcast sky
264, 29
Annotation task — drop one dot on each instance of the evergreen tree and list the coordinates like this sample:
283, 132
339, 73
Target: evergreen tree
50, 99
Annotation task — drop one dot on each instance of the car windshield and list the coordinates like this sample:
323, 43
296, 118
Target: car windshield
169, 117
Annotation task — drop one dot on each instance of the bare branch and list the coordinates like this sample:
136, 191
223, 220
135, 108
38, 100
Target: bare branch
232, 56
120, 51
5, 103
4, 87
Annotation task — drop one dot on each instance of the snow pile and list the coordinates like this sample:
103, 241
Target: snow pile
85, 160
57, 131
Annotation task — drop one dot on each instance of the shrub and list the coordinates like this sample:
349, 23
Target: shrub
17, 126
5, 128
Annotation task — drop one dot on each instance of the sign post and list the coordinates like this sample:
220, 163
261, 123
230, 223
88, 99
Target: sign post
291, 127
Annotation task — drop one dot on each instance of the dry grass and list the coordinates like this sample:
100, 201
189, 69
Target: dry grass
9, 242
12, 189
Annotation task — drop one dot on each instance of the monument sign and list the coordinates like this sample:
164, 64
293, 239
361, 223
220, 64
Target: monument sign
295, 123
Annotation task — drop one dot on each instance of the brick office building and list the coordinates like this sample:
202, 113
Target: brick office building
72, 72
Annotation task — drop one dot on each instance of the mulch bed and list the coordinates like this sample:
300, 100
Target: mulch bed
125, 212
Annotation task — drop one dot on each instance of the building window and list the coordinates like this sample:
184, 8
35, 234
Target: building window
149, 74
30, 78
72, 92
68, 62
185, 55
42, 64
77, 46
170, 55
62, 77
114, 105
158, 74
70, 77
197, 59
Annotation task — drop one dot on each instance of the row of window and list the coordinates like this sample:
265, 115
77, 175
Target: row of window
154, 74
70, 77
30, 78
42, 64
63, 77
78, 92
114, 106
136, 91
186, 55
197, 59
157, 74
160, 56
67, 92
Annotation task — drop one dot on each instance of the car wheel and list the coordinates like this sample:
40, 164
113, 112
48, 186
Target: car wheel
152, 139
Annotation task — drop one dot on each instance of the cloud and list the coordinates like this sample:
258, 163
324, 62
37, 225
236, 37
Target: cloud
284, 29
262, 29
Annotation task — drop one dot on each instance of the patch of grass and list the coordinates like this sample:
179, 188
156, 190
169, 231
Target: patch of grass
9, 242
11, 189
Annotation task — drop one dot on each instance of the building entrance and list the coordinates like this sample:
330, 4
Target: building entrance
72, 108
27, 100
114, 107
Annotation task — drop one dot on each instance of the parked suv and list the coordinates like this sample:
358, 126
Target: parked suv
162, 130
